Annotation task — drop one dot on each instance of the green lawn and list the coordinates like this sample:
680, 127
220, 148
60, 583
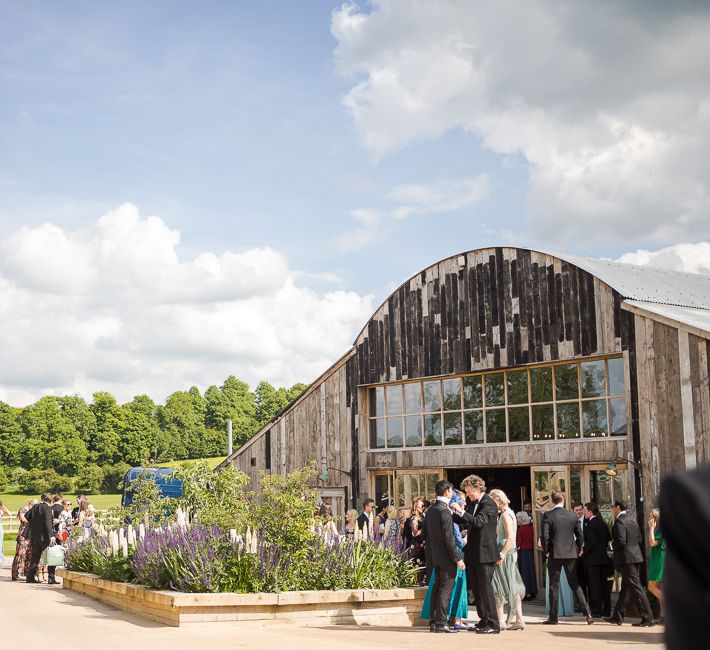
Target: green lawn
211, 462
14, 501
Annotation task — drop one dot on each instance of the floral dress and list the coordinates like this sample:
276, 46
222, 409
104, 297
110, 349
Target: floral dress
23, 551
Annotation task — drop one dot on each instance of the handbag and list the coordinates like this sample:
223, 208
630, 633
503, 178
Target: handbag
55, 555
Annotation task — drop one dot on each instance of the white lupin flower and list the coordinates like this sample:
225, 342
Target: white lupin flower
141, 531
180, 517
124, 547
113, 541
371, 526
232, 535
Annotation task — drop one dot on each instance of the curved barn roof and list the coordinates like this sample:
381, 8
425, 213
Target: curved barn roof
682, 297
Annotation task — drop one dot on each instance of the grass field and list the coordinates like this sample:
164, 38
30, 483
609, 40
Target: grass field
211, 462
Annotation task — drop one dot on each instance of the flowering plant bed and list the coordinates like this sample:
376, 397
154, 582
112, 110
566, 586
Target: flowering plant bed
392, 607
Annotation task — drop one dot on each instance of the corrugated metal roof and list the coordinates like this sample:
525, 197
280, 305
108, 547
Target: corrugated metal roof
646, 283
695, 318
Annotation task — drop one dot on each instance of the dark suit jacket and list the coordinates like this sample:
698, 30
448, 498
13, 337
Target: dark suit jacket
40, 529
562, 535
686, 526
481, 542
596, 540
439, 530
627, 541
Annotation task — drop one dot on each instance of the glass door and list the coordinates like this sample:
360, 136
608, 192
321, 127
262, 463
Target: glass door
545, 481
420, 484
604, 489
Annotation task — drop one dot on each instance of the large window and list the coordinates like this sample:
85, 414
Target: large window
563, 401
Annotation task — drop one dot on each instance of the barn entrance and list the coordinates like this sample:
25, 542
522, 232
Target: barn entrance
514, 481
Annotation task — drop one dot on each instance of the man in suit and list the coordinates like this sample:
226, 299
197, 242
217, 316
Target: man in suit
363, 521
41, 533
628, 558
445, 557
595, 560
686, 577
562, 542
578, 510
481, 552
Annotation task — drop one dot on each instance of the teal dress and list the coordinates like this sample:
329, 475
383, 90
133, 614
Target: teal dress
458, 605
657, 559
507, 584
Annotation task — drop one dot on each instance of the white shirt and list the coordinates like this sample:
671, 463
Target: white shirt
443, 500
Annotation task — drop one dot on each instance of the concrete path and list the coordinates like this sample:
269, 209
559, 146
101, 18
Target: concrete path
51, 617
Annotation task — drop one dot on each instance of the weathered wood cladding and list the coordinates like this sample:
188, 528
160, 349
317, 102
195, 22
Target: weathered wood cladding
598, 451
488, 309
674, 400
316, 429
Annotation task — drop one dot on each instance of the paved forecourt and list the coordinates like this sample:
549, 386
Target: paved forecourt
51, 617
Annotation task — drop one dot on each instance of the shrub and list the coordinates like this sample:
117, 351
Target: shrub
3, 479
37, 481
112, 482
89, 479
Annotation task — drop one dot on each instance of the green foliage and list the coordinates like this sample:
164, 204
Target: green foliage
68, 435
217, 498
3, 479
286, 510
148, 504
112, 482
90, 479
37, 481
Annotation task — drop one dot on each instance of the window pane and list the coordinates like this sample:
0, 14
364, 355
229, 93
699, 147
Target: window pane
432, 430
594, 418
394, 432
541, 384
593, 380
394, 400
494, 389
566, 381
543, 422
432, 396
616, 376
452, 394
568, 420
413, 398
453, 434
617, 413
413, 424
377, 433
474, 427
473, 392
377, 402
495, 425
519, 424
517, 387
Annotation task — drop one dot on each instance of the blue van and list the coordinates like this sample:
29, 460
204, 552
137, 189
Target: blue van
163, 477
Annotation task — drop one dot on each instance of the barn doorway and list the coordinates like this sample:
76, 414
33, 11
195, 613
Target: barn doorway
514, 481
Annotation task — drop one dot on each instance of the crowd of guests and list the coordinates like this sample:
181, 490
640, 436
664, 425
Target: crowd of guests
44, 523
471, 547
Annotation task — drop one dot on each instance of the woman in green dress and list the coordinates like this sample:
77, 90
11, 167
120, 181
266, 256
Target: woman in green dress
507, 584
658, 556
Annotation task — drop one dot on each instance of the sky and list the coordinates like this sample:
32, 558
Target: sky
192, 190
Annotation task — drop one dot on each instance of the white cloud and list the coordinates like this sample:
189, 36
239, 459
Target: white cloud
608, 102
444, 195
116, 308
688, 257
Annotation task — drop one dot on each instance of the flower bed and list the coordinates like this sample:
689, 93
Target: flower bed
392, 607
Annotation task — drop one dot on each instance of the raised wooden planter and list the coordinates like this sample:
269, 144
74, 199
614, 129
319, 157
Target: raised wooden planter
392, 607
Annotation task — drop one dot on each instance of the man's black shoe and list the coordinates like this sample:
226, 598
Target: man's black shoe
550, 621
612, 620
33, 581
487, 630
643, 623
445, 629
590, 619
52, 582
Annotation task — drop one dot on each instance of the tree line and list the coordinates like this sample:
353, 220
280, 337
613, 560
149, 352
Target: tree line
63, 443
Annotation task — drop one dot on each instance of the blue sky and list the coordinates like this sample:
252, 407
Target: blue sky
355, 144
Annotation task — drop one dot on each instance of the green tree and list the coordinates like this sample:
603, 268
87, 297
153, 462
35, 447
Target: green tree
104, 447
234, 401
112, 482
11, 435
90, 480
3, 479
139, 436
77, 411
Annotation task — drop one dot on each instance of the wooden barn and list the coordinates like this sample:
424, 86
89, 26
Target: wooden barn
535, 371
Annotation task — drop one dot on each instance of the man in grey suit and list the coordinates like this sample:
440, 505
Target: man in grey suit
628, 558
562, 543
